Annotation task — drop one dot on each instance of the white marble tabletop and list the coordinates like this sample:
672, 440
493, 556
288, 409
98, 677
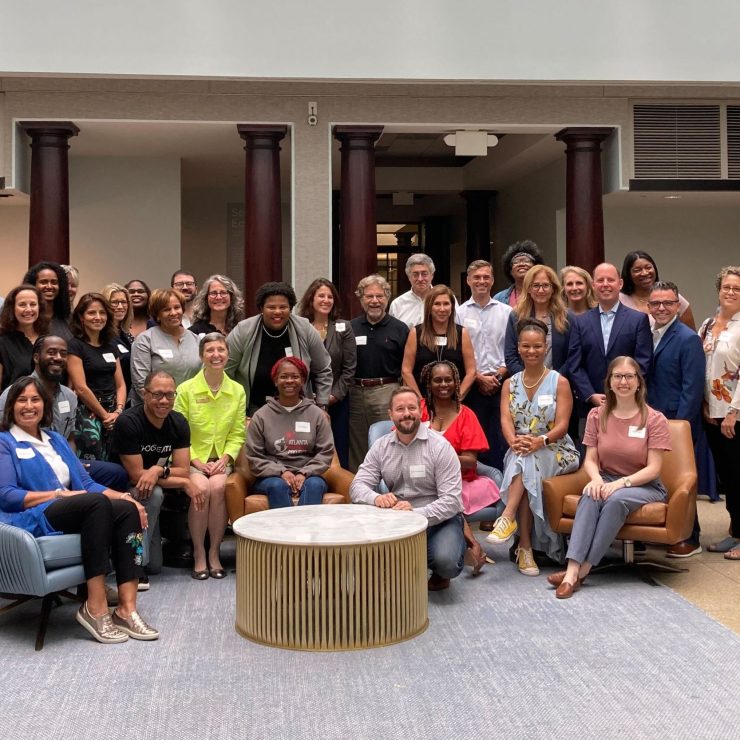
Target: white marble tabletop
340, 524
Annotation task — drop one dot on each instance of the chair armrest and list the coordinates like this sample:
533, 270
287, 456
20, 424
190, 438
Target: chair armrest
339, 480
681, 508
556, 489
22, 569
235, 493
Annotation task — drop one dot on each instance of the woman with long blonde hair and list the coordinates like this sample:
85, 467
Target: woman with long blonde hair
540, 298
578, 289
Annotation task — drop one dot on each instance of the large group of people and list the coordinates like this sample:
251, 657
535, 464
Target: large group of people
111, 398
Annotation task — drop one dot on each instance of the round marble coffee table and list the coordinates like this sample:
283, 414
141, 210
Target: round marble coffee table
331, 577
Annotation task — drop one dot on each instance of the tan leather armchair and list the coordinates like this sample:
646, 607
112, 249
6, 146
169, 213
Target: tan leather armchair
239, 501
661, 523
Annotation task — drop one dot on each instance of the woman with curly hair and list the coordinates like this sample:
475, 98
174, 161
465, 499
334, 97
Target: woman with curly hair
95, 376
460, 427
518, 259
219, 306
51, 279
22, 322
540, 299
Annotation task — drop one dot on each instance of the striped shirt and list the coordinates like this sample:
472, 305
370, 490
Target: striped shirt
426, 473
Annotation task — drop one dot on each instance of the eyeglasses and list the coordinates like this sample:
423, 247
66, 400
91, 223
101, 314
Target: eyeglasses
122, 302
184, 284
218, 293
541, 286
629, 377
522, 261
730, 289
658, 304
159, 395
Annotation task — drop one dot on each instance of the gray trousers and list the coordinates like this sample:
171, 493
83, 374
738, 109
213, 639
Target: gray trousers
152, 538
597, 522
366, 406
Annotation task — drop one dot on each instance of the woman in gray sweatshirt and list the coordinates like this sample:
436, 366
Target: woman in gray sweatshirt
289, 441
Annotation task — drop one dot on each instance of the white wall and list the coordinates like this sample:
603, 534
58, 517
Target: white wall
13, 245
415, 39
688, 243
124, 219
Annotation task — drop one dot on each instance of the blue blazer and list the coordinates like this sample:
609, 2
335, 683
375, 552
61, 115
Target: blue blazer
560, 342
587, 362
22, 469
676, 381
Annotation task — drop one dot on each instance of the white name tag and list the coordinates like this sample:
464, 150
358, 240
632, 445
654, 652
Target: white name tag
63, 407
109, 357
417, 471
123, 349
288, 351
166, 353
545, 400
340, 326
24, 453
303, 426
440, 341
637, 432
724, 336
471, 323
361, 340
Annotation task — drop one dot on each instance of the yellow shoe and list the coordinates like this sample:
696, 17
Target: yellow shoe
503, 530
525, 562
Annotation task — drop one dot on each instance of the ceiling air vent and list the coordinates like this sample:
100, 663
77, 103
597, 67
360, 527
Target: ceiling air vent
733, 142
678, 142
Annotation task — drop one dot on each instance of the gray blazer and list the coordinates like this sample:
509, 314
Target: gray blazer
342, 349
244, 342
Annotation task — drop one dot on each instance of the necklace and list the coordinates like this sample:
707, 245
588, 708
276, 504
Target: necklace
536, 382
274, 336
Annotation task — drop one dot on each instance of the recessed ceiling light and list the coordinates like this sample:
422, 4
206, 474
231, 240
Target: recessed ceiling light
672, 197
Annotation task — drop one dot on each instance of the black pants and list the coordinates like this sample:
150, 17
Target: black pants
488, 411
106, 528
726, 454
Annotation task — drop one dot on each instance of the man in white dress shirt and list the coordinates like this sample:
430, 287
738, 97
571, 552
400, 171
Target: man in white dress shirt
486, 320
409, 306
422, 473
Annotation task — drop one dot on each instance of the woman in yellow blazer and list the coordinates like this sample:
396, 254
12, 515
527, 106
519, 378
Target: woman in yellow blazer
215, 408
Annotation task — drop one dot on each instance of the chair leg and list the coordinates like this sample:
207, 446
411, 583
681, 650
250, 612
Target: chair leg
17, 602
640, 567
46, 604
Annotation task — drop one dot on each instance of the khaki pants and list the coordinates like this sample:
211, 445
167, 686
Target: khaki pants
366, 406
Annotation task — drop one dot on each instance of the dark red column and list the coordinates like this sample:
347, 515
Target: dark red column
358, 254
478, 219
584, 213
48, 233
263, 235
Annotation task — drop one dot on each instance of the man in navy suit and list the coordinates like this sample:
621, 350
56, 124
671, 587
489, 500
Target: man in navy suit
607, 331
676, 380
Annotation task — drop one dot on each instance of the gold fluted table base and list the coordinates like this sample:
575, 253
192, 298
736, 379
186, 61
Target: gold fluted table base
331, 597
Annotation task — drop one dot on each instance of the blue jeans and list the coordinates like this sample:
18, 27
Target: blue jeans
152, 559
446, 547
279, 493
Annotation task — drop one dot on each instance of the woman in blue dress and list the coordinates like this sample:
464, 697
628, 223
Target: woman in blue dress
535, 409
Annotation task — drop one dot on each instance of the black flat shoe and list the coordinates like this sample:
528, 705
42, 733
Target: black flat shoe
217, 573
199, 575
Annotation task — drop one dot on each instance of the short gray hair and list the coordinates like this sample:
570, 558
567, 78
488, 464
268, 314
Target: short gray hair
419, 259
373, 280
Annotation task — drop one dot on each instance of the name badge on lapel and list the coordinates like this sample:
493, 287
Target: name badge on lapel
303, 426
417, 471
165, 353
24, 453
340, 326
63, 407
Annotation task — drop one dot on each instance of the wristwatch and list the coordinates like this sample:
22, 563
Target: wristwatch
165, 472
545, 439
627, 483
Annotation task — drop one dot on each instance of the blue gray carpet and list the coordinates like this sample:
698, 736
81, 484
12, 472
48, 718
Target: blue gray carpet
501, 658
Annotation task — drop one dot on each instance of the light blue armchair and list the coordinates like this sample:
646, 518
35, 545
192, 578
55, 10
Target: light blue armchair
38, 568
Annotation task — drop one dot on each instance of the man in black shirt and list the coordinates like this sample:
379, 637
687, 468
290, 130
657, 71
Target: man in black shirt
153, 444
381, 340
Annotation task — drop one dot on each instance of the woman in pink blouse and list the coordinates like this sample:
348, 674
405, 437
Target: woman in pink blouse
625, 441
